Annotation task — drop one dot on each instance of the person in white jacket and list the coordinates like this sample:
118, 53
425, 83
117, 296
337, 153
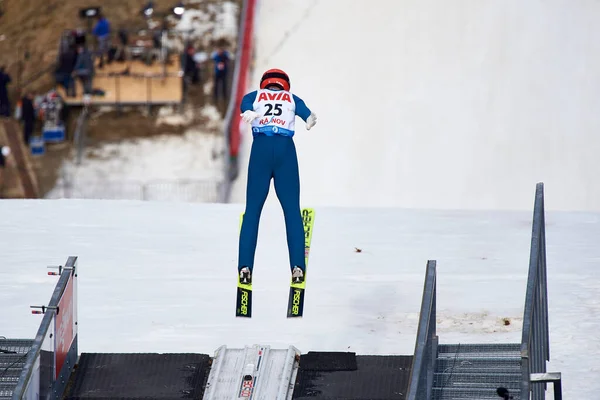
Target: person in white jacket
4, 153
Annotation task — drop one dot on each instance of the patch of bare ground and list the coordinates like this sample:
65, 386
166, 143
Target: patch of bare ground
29, 32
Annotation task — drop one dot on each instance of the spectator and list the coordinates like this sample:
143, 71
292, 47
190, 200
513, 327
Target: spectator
84, 69
155, 52
79, 37
191, 71
123, 53
102, 32
4, 153
64, 70
5, 79
27, 116
221, 59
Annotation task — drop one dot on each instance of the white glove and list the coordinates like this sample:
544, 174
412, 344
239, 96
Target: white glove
311, 121
249, 116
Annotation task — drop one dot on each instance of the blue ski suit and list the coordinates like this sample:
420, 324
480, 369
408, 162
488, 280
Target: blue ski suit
273, 156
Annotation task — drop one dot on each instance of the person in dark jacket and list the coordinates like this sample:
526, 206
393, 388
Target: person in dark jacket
27, 116
79, 38
123, 53
191, 71
84, 69
221, 60
64, 70
5, 79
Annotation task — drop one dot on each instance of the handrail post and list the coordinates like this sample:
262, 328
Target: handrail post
148, 94
421, 375
118, 94
535, 338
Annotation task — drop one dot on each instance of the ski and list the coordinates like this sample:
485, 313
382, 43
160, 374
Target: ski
244, 300
243, 303
243, 306
295, 307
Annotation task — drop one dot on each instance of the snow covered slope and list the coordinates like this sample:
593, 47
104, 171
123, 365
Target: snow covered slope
453, 104
159, 277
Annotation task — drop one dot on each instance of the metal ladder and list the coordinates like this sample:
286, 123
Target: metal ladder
476, 371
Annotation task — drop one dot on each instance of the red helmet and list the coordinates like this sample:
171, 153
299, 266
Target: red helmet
275, 77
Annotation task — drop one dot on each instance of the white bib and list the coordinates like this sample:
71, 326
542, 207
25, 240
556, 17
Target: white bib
277, 113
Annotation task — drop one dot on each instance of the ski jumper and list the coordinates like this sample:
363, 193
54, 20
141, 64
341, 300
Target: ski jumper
273, 155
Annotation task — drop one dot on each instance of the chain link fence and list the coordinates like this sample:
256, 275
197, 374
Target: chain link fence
193, 191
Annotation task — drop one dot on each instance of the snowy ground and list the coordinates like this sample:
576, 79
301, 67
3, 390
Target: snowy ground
159, 277
122, 168
433, 104
210, 23
472, 105
449, 105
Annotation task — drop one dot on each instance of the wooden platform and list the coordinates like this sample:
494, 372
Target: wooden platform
20, 180
138, 67
141, 84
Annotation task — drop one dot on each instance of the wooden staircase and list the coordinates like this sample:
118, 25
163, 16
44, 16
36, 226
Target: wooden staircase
20, 179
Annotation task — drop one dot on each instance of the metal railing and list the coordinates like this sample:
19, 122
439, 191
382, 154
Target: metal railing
53, 355
80, 135
423, 364
231, 163
194, 191
535, 341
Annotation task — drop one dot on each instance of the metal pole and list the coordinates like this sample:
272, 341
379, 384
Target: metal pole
557, 390
163, 49
118, 93
149, 94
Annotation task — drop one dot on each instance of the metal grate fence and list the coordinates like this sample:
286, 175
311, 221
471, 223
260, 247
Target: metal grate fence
193, 191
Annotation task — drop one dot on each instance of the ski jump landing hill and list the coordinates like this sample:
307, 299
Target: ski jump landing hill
401, 303
146, 308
